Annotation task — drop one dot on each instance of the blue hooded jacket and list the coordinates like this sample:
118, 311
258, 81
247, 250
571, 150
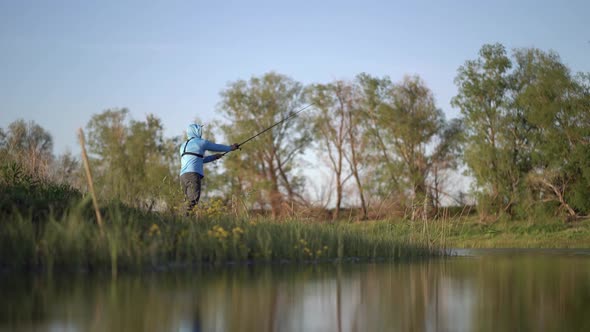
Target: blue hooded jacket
197, 145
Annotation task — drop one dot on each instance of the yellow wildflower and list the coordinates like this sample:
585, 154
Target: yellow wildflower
154, 230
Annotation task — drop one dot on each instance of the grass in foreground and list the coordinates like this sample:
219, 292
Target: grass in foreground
136, 240
43, 226
48, 226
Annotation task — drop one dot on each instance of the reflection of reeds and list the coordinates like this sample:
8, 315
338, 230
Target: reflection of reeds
492, 293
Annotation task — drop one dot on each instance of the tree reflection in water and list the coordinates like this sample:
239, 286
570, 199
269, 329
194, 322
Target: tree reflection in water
483, 293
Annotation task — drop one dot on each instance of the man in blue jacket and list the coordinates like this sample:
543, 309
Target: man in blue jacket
192, 158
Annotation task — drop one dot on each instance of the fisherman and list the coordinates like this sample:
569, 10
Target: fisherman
192, 158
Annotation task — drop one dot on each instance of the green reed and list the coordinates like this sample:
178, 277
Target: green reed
135, 240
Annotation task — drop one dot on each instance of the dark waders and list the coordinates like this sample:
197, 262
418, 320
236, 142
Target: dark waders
191, 186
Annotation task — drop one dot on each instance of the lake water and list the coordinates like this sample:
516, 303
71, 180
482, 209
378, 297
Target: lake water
481, 290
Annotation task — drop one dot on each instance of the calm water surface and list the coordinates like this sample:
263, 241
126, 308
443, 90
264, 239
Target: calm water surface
484, 290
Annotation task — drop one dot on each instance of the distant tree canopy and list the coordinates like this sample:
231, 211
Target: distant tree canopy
415, 136
267, 165
388, 137
527, 123
132, 161
333, 125
26, 149
28, 144
523, 135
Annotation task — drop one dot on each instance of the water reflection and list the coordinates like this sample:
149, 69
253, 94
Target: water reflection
500, 292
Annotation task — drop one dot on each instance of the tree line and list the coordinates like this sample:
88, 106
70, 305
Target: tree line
523, 136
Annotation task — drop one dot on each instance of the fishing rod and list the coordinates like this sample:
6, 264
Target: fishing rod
292, 115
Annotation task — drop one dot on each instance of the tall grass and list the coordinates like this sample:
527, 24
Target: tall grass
135, 240
49, 226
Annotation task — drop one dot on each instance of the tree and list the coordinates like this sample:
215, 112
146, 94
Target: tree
556, 107
267, 164
484, 87
373, 167
373, 94
412, 121
28, 144
444, 158
411, 136
107, 134
527, 130
132, 160
331, 129
2, 139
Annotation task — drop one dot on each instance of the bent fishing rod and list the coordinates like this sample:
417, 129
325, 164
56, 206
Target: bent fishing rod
292, 115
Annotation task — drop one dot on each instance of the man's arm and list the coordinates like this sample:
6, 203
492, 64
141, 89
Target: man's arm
210, 146
212, 157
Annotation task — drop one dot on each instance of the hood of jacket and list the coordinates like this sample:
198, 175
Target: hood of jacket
194, 130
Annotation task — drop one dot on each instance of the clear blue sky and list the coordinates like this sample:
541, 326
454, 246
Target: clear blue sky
61, 62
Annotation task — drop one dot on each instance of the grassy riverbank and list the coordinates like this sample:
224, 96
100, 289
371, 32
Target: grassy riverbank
43, 226
132, 240
47, 227
469, 233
